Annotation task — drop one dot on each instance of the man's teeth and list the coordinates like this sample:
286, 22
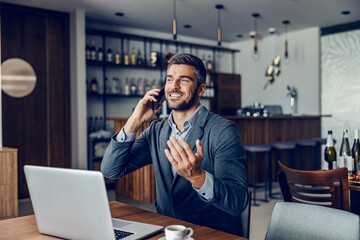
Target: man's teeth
175, 95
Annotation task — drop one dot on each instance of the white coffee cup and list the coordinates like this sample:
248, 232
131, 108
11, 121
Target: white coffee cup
178, 232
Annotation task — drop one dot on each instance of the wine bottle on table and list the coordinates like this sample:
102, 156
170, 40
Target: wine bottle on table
330, 152
345, 159
356, 151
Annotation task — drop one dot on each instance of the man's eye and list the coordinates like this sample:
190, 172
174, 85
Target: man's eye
184, 80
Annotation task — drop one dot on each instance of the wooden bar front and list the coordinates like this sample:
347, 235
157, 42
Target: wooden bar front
8, 183
140, 185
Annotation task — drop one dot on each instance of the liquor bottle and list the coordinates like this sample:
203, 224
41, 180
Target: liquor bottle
126, 87
141, 87
356, 151
95, 124
117, 57
207, 84
100, 124
126, 58
90, 122
345, 159
147, 85
100, 54
133, 87
155, 84
212, 88
88, 52
209, 64
330, 152
93, 51
109, 57
139, 59
108, 86
115, 86
94, 85
203, 59
133, 56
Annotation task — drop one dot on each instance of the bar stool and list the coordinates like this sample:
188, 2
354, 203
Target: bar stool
319, 142
307, 144
280, 148
255, 149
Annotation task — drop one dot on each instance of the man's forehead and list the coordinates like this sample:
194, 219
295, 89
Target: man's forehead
180, 69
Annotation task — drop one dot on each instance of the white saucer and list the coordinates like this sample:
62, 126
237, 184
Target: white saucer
189, 238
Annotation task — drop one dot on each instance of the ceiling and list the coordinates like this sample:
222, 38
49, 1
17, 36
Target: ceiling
236, 17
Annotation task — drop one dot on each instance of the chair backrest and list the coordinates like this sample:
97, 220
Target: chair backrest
245, 219
326, 188
303, 221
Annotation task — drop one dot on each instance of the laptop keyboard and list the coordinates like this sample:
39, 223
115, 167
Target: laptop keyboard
121, 234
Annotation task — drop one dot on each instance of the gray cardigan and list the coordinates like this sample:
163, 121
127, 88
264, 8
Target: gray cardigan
224, 158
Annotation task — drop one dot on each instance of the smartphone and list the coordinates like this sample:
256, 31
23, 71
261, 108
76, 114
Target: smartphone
160, 99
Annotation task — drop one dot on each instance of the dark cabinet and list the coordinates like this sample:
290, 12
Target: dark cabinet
228, 93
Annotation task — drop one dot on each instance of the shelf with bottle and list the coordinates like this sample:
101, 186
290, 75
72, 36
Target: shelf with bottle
123, 87
134, 87
119, 65
119, 50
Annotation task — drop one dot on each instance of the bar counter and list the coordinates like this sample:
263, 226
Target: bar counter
259, 130
140, 185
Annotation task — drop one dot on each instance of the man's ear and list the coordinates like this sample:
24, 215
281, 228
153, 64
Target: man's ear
201, 89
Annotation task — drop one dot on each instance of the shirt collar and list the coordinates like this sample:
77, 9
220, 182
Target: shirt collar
190, 121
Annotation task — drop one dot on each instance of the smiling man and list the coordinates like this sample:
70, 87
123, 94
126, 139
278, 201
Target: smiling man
198, 156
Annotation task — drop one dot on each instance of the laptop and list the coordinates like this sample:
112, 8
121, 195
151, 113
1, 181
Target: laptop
73, 204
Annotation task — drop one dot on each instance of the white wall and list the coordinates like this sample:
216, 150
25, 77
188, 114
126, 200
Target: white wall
301, 72
340, 81
78, 93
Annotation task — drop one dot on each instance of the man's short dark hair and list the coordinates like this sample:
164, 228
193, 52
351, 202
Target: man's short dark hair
191, 60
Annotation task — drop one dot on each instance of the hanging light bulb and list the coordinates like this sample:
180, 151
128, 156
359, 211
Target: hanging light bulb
174, 30
286, 54
219, 7
255, 34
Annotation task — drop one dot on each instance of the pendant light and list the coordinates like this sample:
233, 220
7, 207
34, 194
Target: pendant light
286, 54
174, 29
219, 7
255, 34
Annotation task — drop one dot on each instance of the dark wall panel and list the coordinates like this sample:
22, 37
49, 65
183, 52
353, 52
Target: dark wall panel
59, 91
38, 125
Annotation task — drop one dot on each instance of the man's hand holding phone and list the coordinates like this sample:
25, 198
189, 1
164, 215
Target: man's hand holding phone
146, 109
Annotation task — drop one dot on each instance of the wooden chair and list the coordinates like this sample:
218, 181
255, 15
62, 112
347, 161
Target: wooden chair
326, 188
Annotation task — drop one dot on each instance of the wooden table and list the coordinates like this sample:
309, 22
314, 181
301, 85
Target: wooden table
26, 228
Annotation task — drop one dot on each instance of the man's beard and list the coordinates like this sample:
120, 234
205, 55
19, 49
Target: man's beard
186, 105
